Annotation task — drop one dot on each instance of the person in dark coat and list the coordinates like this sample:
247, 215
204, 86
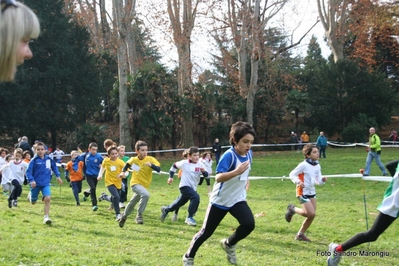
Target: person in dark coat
217, 149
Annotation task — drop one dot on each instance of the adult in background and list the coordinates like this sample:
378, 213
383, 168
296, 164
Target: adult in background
25, 146
393, 136
217, 149
322, 144
374, 151
293, 140
304, 139
18, 26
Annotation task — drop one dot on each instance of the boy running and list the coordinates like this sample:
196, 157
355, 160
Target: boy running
39, 176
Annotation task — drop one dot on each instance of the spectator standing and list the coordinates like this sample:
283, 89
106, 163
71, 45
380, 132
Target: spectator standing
322, 144
374, 151
293, 140
305, 138
217, 149
393, 136
25, 146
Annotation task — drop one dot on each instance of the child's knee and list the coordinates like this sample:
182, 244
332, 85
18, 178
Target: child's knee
46, 199
311, 215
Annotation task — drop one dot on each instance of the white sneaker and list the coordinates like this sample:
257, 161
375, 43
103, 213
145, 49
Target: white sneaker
29, 197
191, 221
188, 261
174, 218
121, 205
47, 220
335, 257
230, 251
118, 217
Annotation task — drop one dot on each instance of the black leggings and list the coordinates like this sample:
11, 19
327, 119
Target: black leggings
380, 224
214, 216
208, 181
16, 192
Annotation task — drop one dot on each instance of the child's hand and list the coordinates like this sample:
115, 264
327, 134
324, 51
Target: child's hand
59, 180
33, 184
99, 178
170, 180
121, 175
148, 164
242, 167
324, 179
301, 184
202, 169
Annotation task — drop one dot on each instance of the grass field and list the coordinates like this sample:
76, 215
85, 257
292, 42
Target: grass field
80, 236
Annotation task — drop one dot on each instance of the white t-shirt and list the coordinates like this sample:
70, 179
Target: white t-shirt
190, 172
58, 154
208, 164
17, 170
2, 162
5, 171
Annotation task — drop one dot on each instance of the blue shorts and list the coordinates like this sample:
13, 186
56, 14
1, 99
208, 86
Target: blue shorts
305, 198
35, 192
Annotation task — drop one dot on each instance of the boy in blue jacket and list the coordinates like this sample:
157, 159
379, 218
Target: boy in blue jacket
39, 176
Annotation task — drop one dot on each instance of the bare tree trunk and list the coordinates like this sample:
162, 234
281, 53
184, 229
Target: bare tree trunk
182, 20
333, 16
185, 91
247, 26
105, 29
124, 17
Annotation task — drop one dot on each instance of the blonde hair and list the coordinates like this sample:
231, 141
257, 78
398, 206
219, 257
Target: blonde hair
18, 151
17, 23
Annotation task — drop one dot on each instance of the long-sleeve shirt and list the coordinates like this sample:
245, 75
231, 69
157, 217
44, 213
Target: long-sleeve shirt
321, 141
39, 170
375, 143
309, 174
92, 163
75, 175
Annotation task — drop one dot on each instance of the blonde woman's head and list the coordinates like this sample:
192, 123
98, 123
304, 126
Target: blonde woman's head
18, 26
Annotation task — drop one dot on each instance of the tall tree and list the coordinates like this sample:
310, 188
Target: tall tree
60, 87
373, 40
182, 14
334, 15
345, 90
247, 22
124, 12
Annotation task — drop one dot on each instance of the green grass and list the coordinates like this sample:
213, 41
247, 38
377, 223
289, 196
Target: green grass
79, 236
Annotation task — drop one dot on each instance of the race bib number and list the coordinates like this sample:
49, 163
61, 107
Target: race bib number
135, 167
113, 168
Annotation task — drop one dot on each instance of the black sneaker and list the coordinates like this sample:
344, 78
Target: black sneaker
164, 213
15, 203
122, 220
290, 212
102, 197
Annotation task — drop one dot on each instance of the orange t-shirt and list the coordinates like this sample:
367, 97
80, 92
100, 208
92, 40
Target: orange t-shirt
75, 176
